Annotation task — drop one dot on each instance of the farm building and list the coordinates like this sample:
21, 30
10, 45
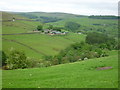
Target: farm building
46, 31
55, 32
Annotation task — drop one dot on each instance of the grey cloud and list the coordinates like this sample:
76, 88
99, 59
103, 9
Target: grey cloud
69, 6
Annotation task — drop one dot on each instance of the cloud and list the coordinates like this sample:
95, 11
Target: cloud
83, 7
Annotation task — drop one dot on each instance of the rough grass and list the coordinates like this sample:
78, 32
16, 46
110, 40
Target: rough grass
81, 74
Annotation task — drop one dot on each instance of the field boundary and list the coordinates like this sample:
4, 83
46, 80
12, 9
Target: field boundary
21, 33
24, 45
17, 19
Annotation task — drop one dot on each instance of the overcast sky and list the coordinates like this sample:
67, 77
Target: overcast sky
82, 7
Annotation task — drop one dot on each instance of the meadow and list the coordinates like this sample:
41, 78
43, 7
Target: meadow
45, 44
81, 74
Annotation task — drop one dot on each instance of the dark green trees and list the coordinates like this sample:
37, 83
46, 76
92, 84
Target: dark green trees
3, 56
101, 40
76, 52
50, 27
39, 27
72, 26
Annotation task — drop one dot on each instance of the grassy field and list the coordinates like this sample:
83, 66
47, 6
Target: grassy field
82, 74
45, 44
19, 27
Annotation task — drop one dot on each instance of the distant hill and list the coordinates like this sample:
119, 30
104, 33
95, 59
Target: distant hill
54, 14
10, 16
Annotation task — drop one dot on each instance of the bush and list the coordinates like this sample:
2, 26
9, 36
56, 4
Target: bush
39, 27
4, 58
17, 60
78, 51
33, 63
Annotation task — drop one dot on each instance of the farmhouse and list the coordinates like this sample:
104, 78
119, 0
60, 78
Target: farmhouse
46, 31
55, 32
79, 33
13, 19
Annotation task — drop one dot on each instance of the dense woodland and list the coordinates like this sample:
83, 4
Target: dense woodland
104, 17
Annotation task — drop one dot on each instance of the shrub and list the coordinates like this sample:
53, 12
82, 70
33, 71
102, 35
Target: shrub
17, 60
32, 63
39, 27
4, 58
78, 51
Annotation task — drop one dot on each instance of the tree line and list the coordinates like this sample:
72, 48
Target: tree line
104, 17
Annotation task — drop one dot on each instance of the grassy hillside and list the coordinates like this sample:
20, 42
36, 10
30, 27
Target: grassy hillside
108, 26
49, 45
87, 24
47, 14
81, 74
45, 44
19, 26
9, 16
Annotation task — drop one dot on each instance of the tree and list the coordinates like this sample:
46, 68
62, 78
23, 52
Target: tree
57, 28
50, 27
3, 58
72, 26
17, 59
98, 38
39, 27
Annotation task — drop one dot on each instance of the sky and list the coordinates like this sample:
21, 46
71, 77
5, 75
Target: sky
80, 7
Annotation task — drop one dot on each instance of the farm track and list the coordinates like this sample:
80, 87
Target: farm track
24, 45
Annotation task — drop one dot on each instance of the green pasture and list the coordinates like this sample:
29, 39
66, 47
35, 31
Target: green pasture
81, 74
46, 44
19, 26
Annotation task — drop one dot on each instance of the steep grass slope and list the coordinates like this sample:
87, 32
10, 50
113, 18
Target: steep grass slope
9, 16
19, 26
45, 44
81, 74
